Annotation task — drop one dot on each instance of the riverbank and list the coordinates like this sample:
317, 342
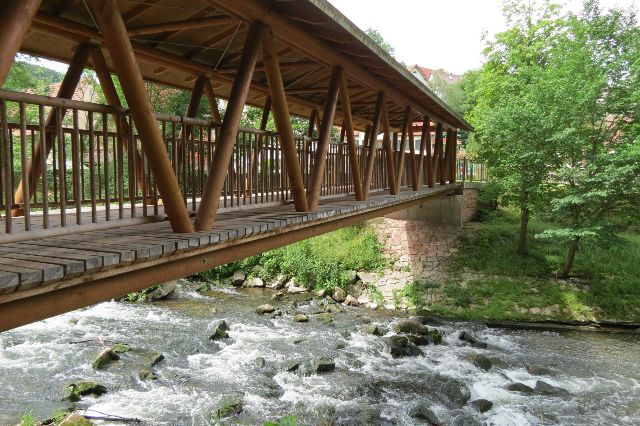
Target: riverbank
469, 273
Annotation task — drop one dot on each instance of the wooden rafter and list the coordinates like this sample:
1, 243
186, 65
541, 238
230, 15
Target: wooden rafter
186, 24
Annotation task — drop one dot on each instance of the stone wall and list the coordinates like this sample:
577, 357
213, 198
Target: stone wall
469, 204
418, 251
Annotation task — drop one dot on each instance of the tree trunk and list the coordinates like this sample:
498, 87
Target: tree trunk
565, 270
524, 225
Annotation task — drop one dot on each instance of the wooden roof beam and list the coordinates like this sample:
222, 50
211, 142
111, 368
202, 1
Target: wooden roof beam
187, 24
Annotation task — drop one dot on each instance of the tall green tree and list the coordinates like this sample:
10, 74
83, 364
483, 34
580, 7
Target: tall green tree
594, 72
380, 41
513, 133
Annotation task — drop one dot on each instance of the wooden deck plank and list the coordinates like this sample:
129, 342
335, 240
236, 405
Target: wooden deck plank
92, 261
32, 274
72, 268
9, 282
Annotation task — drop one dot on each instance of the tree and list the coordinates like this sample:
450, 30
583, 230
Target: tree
595, 76
513, 133
380, 41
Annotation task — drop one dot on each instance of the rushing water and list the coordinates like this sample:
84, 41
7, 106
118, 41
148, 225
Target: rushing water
368, 386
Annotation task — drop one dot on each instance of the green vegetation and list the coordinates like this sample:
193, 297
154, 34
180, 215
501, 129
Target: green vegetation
284, 421
29, 419
488, 281
315, 263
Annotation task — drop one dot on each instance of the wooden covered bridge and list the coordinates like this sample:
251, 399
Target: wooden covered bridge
98, 200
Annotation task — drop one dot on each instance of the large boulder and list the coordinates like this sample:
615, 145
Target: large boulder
368, 278
238, 278
219, 330
545, 388
279, 282
423, 413
351, 301
293, 288
254, 282
323, 365
265, 309
410, 327
75, 391
162, 291
400, 346
471, 340
350, 277
104, 358
339, 295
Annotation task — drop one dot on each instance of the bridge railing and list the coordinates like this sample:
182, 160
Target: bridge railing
471, 170
93, 170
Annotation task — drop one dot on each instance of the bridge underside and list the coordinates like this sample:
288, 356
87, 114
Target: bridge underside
52, 275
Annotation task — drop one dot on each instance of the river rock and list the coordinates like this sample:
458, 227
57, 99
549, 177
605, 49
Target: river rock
333, 309
424, 413
471, 340
104, 358
278, 295
480, 361
410, 327
150, 358
325, 318
350, 277
538, 370
351, 301
545, 388
265, 309
456, 391
254, 282
229, 406
300, 318
368, 278
238, 278
321, 293
219, 330
261, 362
400, 346
482, 405
120, 348
520, 388
147, 374
292, 288
162, 291
75, 419
467, 420
339, 295
374, 330
75, 391
323, 365
292, 366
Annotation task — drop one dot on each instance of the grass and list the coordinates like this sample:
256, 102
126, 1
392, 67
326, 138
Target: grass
319, 262
489, 281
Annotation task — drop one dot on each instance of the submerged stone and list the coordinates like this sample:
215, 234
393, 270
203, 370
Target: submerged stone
323, 365
545, 388
265, 309
480, 361
147, 374
374, 330
151, 358
424, 413
538, 370
456, 391
120, 348
466, 337
229, 406
260, 362
482, 405
325, 318
520, 388
104, 358
467, 420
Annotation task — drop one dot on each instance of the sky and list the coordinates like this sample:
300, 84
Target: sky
421, 33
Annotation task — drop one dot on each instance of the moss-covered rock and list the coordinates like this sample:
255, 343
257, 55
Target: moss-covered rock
480, 361
482, 405
219, 330
325, 318
120, 348
147, 374
471, 340
75, 391
520, 388
374, 330
323, 365
229, 406
104, 358
401, 346
300, 318
265, 309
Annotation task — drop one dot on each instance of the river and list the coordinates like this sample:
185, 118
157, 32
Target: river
368, 386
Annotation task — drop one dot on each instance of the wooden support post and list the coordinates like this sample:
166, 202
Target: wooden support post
425, 145
228, 133
412, 160
454, 154
192, 112
113, 99
15, 21
437, 154
109, 21
403, 146
66, 91
373, 145
312, 122
324, 139
213, 102
350, 135
386, 145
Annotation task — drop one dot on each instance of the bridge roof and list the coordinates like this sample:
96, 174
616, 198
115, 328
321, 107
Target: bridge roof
175, 41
